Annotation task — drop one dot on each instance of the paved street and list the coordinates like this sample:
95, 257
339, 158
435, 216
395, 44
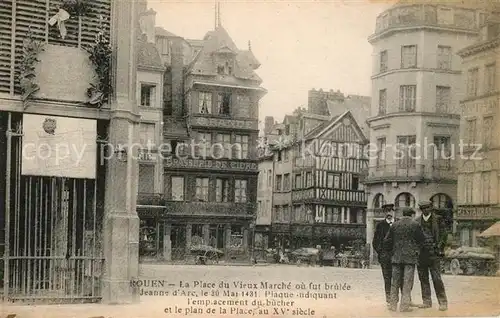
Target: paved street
353, 292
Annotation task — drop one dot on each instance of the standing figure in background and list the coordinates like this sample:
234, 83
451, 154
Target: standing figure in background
384, 257
430, 259
404, 241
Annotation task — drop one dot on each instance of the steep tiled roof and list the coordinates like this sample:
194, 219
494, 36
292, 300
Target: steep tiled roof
359, 106
219, 41
319, 128
148, 55
159, 31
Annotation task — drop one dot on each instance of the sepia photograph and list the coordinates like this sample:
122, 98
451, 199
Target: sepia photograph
249, 158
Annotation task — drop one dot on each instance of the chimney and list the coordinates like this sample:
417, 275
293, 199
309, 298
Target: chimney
268, 124
177, 70
147, 22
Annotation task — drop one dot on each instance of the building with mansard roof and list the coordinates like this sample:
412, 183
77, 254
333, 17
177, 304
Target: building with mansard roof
208, 195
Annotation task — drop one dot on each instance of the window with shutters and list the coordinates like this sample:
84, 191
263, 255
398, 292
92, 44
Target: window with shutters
487, 130
384, 60
408, 56
472, 82
298, 181
407, 98
468, 187
382, 101
286, 182
407, 152
470, 131
443, 99
278, 184
486, 186
33, 15
381, 150
442, 152
489, 78
444, 57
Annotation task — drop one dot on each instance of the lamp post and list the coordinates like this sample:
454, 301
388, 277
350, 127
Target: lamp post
252, 227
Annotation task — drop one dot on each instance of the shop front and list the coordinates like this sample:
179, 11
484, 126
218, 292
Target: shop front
471, 220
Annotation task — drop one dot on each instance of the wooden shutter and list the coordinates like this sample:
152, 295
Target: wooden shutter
34, 15
5, 45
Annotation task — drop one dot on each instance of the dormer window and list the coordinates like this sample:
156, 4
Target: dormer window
225, 67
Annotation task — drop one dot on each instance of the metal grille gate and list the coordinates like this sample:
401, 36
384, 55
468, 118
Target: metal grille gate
53, 234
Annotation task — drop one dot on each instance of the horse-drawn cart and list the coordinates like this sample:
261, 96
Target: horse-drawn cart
470, 261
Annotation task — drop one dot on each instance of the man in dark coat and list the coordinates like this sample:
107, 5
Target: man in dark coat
430, 259
404, 240
384, 257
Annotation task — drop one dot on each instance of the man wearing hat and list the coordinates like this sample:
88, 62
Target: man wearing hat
384, 257
430, 259
404, 240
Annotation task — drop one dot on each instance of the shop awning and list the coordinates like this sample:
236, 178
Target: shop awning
492, 231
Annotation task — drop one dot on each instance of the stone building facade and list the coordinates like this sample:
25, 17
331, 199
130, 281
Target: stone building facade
417, 86
478, 178
210, 130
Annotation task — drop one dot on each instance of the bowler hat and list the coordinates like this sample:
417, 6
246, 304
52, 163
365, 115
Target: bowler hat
425, 204
407, 211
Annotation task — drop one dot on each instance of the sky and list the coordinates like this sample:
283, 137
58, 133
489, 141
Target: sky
300, 44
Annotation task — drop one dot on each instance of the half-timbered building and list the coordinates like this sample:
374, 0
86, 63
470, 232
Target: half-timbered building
327, 202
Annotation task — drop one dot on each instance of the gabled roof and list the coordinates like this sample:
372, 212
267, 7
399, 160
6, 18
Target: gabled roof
315, 131
324, 128
218, 41
359, 106
159, 31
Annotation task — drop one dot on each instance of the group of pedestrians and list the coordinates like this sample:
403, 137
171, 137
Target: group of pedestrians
408, 243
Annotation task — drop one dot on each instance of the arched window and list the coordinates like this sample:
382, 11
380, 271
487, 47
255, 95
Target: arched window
404, 199
378, 200
441, 201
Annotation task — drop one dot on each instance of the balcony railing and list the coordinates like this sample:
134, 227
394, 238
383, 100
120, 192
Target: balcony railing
425, 15
353, 196
395, 172
442, 169
150, 199
210, 208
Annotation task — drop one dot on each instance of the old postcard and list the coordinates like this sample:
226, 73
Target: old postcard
166, 158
